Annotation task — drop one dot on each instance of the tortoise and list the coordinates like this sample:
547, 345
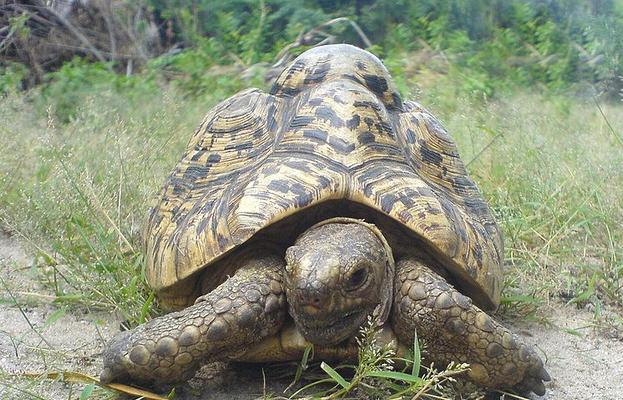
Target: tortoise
295, 216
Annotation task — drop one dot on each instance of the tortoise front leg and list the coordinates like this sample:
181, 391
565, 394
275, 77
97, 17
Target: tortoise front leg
246, 308
456, 330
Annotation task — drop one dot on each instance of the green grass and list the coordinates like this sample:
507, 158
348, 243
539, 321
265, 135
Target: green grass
380, 373
551, 167
553, 172
78, 191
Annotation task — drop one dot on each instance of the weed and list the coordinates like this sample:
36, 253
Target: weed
375, 375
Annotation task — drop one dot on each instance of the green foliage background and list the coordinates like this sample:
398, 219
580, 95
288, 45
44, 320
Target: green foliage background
486, 46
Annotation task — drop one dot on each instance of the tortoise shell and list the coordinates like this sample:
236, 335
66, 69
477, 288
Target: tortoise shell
332, 129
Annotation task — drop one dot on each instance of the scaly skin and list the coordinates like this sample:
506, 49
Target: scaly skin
335, 278
336, 274
456, 330
248, 307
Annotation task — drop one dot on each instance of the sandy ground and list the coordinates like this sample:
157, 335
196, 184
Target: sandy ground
587, 364
36, 337
582, 367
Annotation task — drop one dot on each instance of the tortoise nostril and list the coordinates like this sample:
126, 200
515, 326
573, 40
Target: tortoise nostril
313, 300
316, 301
313, 305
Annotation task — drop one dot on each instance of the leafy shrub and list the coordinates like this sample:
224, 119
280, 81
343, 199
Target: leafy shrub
488, 45
11, 77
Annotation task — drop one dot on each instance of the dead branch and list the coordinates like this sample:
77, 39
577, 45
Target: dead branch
52, 32
78, 35
314, 37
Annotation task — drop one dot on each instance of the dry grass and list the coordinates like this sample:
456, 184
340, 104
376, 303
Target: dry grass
77, 192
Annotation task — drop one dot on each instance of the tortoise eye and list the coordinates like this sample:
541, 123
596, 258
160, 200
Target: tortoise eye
357, 279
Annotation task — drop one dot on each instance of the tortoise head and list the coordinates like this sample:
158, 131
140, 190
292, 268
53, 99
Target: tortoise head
338, 272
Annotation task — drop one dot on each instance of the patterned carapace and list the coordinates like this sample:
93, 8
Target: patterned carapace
333, 127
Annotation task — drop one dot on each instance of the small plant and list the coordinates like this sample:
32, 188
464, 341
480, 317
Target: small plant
376, 374
11, 77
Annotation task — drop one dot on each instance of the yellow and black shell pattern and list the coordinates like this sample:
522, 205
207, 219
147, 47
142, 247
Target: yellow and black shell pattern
333, 127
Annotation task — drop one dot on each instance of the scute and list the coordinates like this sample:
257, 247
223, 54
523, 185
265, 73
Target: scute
332, 128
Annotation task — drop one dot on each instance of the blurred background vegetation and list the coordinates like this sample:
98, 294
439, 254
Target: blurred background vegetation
98, 99
483, 46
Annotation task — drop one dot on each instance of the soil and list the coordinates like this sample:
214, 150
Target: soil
584, 362
36, 337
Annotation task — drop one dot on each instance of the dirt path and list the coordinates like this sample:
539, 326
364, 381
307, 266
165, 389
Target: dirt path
35, 336
589, 366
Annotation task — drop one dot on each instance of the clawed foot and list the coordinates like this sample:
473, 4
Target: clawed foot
457, 330
113, 358
246, 308
160, 351
534, 377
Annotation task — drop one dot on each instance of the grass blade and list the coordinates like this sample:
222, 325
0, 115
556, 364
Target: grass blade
334, 374
417, 356
55, 316
395, 375
79, 377
301, 367
87, 391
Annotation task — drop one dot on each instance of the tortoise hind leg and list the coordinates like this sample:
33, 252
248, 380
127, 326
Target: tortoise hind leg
246, 308
456, 330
